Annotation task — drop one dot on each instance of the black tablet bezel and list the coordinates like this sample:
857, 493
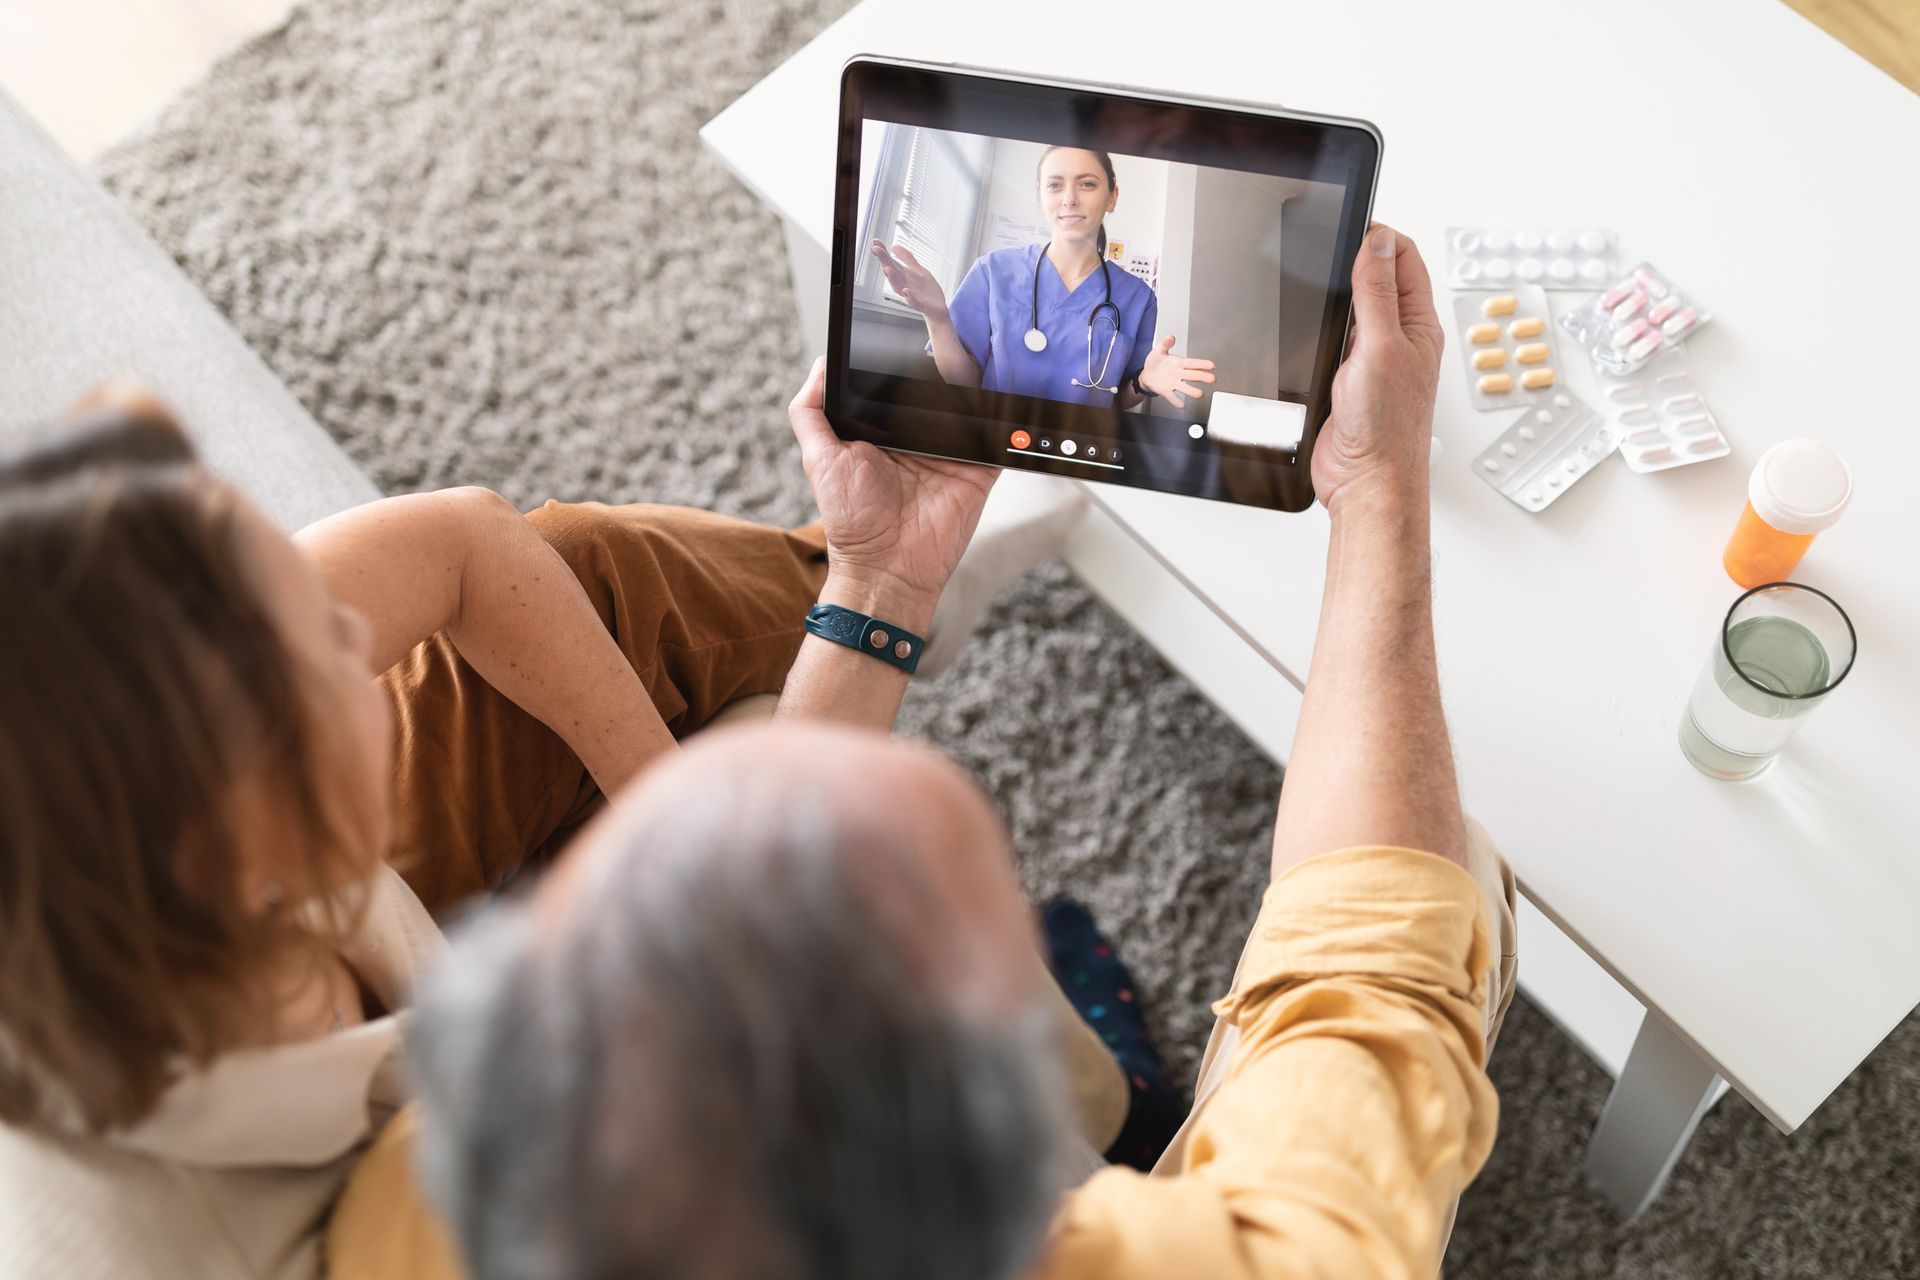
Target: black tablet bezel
921, 416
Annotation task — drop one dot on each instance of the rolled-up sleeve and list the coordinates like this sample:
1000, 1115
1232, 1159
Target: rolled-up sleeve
1355, 1108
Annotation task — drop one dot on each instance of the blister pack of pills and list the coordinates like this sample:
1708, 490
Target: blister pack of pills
1508, 346
1662, 419
1546, 450
1637, 316
1551, 257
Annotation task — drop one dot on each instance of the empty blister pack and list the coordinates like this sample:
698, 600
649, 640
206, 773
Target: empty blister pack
1637, 316
1546, 450
1661, 417
1551, 257
1508, 346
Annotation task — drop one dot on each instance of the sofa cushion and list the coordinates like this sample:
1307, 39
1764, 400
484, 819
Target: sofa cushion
86, 295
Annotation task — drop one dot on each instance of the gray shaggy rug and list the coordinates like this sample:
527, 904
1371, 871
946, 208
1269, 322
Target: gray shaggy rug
481, 243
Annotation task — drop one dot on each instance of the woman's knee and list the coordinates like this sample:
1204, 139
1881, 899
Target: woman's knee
579, 530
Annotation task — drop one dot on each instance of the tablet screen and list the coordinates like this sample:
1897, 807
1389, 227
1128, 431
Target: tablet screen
1089, 283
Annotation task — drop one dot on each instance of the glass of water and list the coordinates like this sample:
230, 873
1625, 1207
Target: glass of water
1781, 651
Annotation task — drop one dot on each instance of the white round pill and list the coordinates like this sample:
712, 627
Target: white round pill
1531, 269
1466, 272
1593, 271
1543, 415
1466, 242
1593, 241
1528, 433
1564, 401
1553, 482
1560, 269
1509, 449
1491, 464
1560, 240
1526, 240
1498, 242
1499, 269
1534, 496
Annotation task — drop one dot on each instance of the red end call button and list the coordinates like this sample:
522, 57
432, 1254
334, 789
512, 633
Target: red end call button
1021, 439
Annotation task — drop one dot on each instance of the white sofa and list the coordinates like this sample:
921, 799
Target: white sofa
85, 294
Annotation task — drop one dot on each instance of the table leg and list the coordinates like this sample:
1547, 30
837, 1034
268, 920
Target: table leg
1660, 1096
810, 264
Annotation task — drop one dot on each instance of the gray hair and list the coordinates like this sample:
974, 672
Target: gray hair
725, 1066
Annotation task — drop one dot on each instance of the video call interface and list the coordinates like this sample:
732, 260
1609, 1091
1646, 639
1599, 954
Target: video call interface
1188, 299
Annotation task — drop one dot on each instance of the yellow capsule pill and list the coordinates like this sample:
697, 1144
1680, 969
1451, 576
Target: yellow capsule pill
1531, 353
1504, 304
1534, 379
1527, 327
1494, 384
1481, 334
1491, 358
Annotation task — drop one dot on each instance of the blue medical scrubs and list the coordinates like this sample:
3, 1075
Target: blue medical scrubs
993, 309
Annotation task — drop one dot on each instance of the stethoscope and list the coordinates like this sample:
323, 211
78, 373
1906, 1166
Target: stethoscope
1037, 341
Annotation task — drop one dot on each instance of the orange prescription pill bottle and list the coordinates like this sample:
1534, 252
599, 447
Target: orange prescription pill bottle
1799, 488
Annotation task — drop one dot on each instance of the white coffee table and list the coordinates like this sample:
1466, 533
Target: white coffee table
1770, 930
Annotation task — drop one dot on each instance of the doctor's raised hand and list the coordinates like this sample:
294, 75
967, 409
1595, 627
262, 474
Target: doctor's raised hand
896, 524
1174, 377
913, 282
919, 290
1375, 443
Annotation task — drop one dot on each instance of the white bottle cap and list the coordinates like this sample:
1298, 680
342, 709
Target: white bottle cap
1800, 486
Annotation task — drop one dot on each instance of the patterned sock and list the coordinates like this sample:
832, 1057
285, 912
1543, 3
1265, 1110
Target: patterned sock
1097, 984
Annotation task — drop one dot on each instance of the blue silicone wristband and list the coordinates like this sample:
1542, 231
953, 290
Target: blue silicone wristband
895, 646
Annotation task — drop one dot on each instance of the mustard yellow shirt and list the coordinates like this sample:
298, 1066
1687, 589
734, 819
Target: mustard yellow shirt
1354, 1110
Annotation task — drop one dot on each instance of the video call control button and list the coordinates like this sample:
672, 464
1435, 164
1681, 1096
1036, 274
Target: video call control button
1021, 439
1069, 448
1196, 431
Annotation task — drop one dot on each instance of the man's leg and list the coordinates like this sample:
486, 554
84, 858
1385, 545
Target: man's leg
1495, 879
708, 611
1096, 1087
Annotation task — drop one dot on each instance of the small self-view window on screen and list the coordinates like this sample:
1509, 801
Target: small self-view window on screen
1188, 294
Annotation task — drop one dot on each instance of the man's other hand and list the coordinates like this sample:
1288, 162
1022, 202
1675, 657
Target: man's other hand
1377, 436
896, 523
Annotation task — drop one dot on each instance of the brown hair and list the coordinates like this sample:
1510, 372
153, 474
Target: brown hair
1106, 163
143, 681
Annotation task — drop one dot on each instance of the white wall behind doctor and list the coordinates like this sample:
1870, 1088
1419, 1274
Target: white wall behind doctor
1176, 257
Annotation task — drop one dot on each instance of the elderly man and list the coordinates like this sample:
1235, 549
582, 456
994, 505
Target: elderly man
782, 1014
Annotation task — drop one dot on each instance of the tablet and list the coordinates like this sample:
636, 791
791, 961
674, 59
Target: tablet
1045, 274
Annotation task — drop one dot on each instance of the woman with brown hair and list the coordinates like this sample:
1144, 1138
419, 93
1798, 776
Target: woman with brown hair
240, 771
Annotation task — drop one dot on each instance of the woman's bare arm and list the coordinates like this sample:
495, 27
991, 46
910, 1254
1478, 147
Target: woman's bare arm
464, 561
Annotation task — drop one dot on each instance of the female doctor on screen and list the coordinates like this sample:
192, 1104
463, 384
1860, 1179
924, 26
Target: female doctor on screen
1055, 319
